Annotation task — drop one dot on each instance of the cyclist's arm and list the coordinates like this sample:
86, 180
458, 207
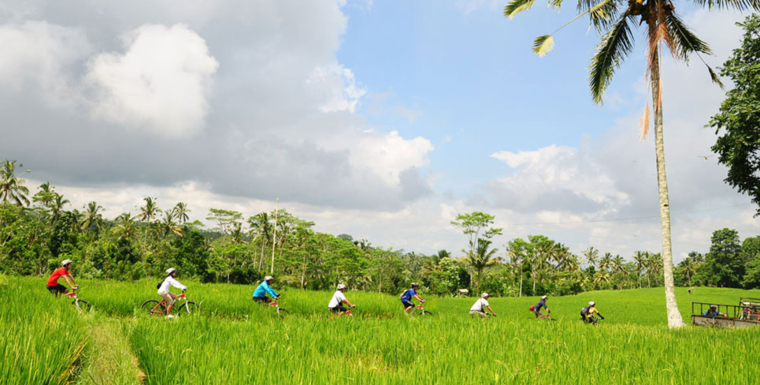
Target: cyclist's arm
348, 303
489, 308
418, 297
178, 285
71, 281
272, 292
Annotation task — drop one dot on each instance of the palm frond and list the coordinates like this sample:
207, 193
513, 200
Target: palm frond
644, 124
602, 13
556, 4
730, 4
610, 53
684, 41
714, 77
516, 6
543, 44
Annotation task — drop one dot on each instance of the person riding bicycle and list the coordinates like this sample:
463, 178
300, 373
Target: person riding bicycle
338, 299
541, 304
480, 307
588, 313
52, 284
260, 294
713, 312
406, 298
163, 290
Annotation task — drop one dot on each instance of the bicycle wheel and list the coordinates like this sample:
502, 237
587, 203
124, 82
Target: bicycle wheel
188, 308
82, 306
149, 306
282, 312
426, 313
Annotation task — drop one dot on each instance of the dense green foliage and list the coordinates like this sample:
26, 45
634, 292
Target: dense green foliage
35, 238
739, 118
234, 340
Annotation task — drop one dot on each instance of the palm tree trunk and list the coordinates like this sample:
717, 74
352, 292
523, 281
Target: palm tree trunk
674, 316
521, 281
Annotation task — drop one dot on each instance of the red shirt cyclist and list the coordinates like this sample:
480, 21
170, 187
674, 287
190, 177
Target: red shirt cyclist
56, 288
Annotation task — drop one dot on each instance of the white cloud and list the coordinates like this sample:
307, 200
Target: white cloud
387, 156
161, 82
37, 54
338, 88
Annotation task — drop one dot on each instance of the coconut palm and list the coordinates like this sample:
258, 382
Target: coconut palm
592, 255
640, 260
167, 225
150, 210
11, 187
92, 217
45, 196
180, 212
663, 28
56, 208
480, 258
260, 227
125, 226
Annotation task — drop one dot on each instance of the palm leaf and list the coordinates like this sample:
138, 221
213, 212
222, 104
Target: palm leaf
730, 4
543, 44
516, 6
602, 13
610, 53
683, 40
714, 77
556, 4
644, 124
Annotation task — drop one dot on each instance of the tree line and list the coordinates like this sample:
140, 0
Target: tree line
39, 230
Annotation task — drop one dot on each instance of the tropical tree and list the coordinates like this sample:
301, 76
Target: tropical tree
56, 208
480, 259
45, 196
11, 187
260, 228
150, 210
92, 217
168, 226
125, 226
180, 212
640, 261
615, 19
592, 256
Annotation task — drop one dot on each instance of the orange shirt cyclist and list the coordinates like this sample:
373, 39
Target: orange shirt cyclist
56, 288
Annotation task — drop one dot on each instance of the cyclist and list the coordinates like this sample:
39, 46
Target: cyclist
56, 288
260, 294
481, 305
588, 313
406, 297
163, 290
338, 299
713, 312
541, 304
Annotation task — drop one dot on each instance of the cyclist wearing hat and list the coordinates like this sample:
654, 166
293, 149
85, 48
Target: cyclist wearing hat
163, 290
588, 313
480, 307
56, 288
406, 298
541, 304
260, 294
338, 299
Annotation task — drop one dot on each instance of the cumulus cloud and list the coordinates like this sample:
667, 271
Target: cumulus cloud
160, 83
338, 88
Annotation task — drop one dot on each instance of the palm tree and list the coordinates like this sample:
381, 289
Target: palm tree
168, 226
125, 226
56, 208
180, 212
150, 210
605, 263
260, 227
617, 264
92, 217
480, 258
663, 27
640, 259
592, 255
45, 196
11, 187
655, 265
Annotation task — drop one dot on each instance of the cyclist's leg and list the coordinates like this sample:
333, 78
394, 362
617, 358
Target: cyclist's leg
168, 299
407, 305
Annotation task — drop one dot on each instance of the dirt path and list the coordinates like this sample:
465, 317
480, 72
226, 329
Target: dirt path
108, 359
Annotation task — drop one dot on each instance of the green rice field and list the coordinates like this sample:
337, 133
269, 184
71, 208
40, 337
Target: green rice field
234, 341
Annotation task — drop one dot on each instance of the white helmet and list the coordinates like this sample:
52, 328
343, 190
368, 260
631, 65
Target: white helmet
66, 262
268, 278
484, 295
544, 297
592, 303
171, 270
341, 286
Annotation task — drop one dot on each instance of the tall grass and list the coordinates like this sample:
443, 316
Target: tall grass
41, 336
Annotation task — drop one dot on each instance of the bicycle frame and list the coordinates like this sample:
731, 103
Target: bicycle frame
419, 307
73, 295
162, 305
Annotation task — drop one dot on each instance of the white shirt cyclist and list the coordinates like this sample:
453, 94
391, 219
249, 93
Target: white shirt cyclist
337, 299
170, 281
480, 305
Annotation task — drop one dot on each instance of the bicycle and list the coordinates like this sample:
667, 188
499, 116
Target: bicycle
280, 311
154, 306
80, 304
422, 310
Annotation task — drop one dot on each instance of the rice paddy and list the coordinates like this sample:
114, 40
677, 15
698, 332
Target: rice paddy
234, 341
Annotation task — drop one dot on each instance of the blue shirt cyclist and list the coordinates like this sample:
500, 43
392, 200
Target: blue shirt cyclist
260, 294
406, 298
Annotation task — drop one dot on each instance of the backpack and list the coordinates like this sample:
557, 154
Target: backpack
401, 297
584, 313
160, 283
532, 308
